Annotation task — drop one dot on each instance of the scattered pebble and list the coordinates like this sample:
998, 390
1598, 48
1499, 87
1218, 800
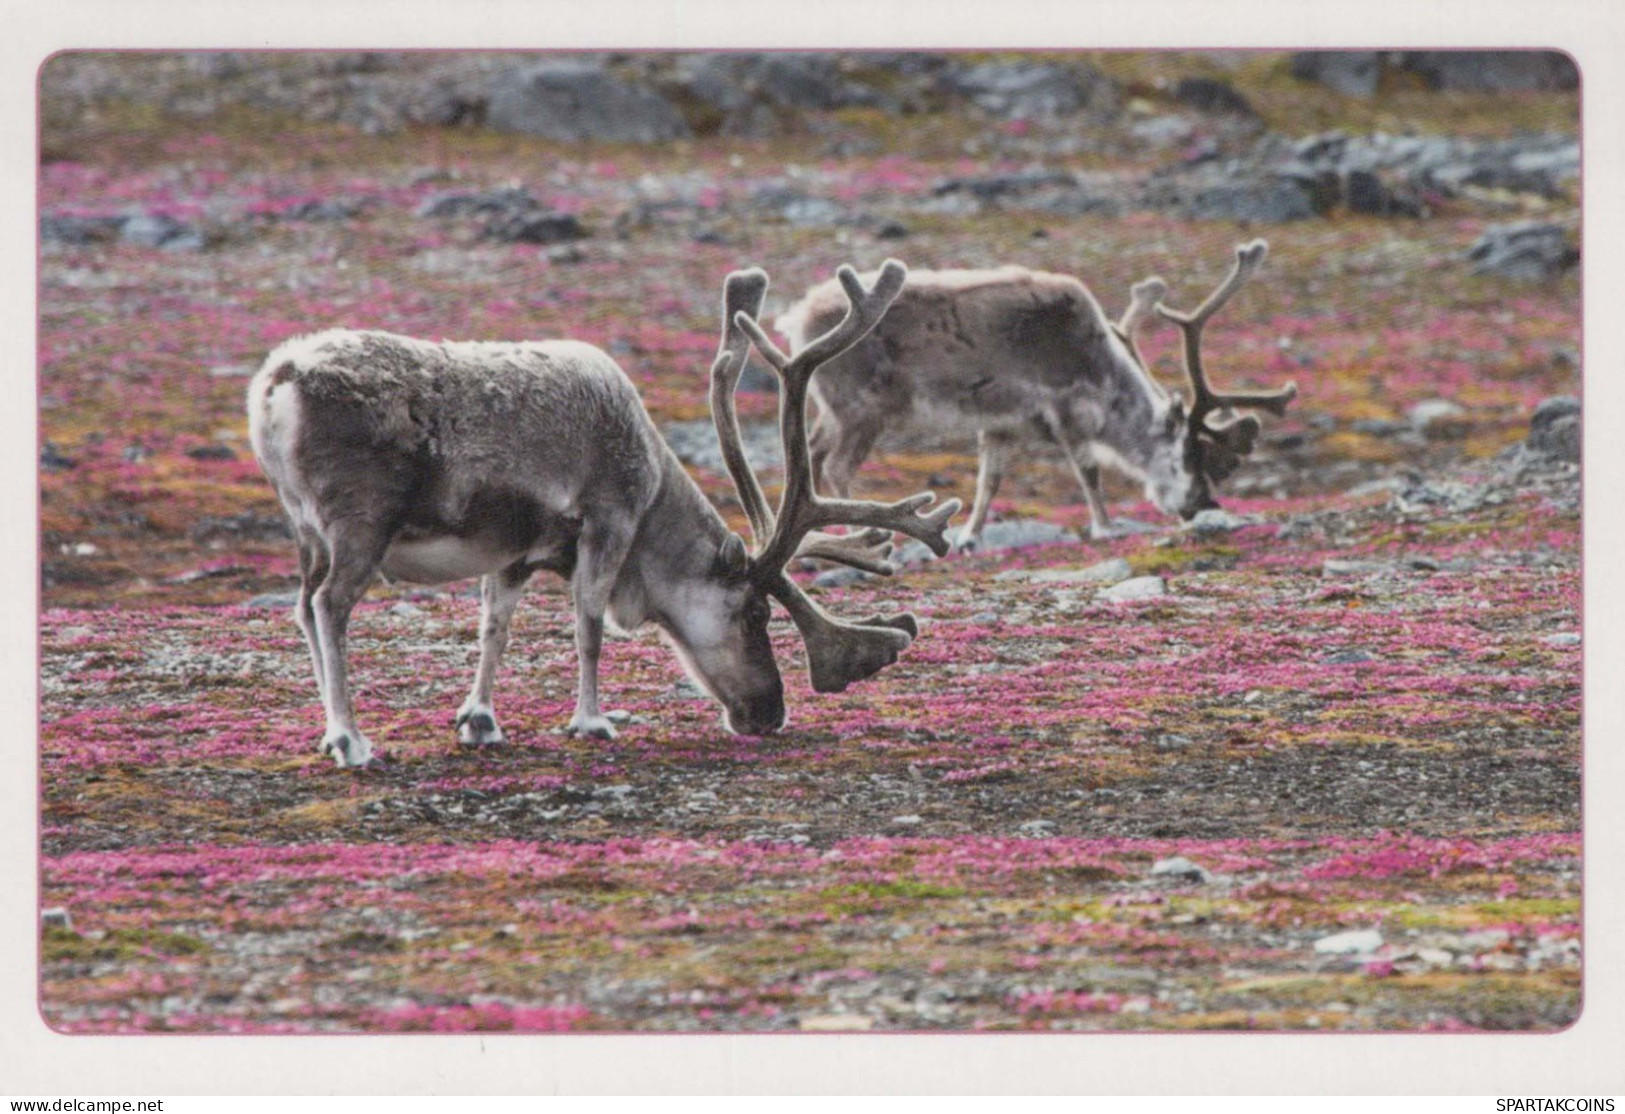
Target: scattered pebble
1349, 657
1180, 869
1358, 942
835, 1023
1110, 572
1214, 522
1139, 588
1336, 566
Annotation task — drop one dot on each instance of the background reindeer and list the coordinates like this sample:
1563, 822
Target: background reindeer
435, 462
1015, 355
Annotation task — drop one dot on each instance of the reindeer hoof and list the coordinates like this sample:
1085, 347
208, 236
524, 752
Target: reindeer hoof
597, 727
479, 729
349, 750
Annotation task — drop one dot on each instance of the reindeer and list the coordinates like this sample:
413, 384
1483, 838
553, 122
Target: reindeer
433, 462
1017, 355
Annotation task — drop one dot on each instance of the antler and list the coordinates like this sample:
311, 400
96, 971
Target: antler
1143, 298
838, 653
1248, 258
1225, 440
801, 509
742, 293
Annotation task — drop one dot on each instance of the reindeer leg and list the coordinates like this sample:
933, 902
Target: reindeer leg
993, 454
820, 441
1087, 472
499, 595
850, 448
354, 552
313, 569
599, 554
1100, 519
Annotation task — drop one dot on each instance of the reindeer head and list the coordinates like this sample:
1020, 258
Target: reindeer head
729, 651
1215, 436
1173, 480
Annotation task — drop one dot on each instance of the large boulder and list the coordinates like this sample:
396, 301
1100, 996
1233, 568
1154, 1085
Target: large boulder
1030, 89
1354, 73
1530, 251
1359, 73
1265, 199
1492, 71
1554, 429
573, 100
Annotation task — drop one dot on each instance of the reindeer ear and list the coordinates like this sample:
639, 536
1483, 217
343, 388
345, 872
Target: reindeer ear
732, 559
1176, 413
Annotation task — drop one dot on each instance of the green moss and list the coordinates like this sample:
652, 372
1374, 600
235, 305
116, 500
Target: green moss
1530, 908
873, 897
64, 944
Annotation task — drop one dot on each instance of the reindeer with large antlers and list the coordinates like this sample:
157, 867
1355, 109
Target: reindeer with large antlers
436, 462
1017, 356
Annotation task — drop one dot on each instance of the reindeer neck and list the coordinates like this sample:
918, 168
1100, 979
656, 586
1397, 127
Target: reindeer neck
1129, 400
678, 540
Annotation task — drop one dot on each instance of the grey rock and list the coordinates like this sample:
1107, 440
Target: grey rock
1375, 487
1336, 567
462, 203
56, 917
1138, 588
575, 100
1431, 415
79, 231
52, 459
535, 228
730, 83
1354, 73
1357, 942
1180, 869
841, 577
156, 230
1379, 427
1020, 533
696, 443
1207, 94
274, 599
1562, 641
1037, 829
1107, 572
685, 689
1492, 70
333, 209
1273, 199
1349, 657
800, 209
995, 187
1529, 251
1214, 522
1554, 429
1367, 193
1029, 89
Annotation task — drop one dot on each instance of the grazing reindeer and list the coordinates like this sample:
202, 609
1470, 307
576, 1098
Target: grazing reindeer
436, 462
1016, 354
